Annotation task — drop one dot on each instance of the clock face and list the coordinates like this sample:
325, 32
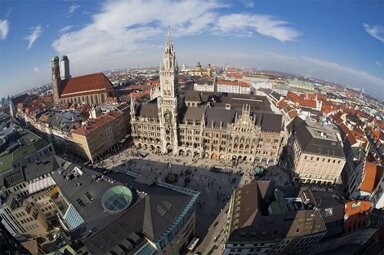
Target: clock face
166, 81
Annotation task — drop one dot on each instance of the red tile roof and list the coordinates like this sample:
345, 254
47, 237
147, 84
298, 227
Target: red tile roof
293, 97
362, 114
292, 114
307, 103
347, 132
379, 123
311, 96
86, 84
237, 75
155, 83
140, 94
233, 83
303, 100
137, 87
326, 108
282, 103
376, 133
230, 69
372, 174
365, 206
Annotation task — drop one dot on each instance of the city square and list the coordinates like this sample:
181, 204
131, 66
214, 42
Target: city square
264, 134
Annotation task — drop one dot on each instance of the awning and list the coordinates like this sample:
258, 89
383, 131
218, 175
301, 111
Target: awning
41, 184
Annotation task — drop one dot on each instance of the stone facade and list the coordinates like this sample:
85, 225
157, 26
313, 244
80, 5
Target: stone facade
100, 135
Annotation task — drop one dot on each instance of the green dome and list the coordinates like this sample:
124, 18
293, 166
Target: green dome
55, 59
64, 57
117, 198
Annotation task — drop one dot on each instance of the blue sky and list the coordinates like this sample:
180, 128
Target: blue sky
340, 41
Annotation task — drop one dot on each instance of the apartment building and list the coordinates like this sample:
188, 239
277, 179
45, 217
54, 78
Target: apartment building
317, 152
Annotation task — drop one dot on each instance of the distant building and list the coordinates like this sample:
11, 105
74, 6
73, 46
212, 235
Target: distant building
235, 87
91, 89
258, 85
123, 214
317, 152
204, 85
306, 85
264, 219
198, 70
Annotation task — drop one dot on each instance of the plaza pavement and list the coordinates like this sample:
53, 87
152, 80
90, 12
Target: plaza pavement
215, 187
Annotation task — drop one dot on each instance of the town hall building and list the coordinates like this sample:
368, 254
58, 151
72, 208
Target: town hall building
204, 124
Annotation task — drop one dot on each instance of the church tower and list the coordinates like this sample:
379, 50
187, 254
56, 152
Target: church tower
167, 101
56, 79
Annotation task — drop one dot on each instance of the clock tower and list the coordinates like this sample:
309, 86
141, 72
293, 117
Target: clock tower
168, 99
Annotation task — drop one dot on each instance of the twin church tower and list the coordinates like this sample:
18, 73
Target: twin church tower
60, 71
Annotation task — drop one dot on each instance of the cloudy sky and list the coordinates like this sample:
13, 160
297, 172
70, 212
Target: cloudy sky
340, 41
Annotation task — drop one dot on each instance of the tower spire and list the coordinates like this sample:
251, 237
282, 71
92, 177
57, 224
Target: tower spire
169, 36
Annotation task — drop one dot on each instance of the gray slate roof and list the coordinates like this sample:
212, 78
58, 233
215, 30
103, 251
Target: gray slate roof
219, 116
314, 144
194, 113
270, 122
29, 172
149, 110
191, 95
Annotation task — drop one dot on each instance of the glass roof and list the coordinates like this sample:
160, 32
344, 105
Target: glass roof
117, 198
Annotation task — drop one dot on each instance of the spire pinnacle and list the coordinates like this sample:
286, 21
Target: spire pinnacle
169, 36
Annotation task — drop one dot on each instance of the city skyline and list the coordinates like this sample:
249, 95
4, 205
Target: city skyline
335, 41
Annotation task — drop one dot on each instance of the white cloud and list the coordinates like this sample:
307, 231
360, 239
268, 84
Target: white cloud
65, 29
113, 33
34, 35
114, 37
350, 75
379, 64
248, 3
375, 31
72, 9
36, 70
4, 29
263, 24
